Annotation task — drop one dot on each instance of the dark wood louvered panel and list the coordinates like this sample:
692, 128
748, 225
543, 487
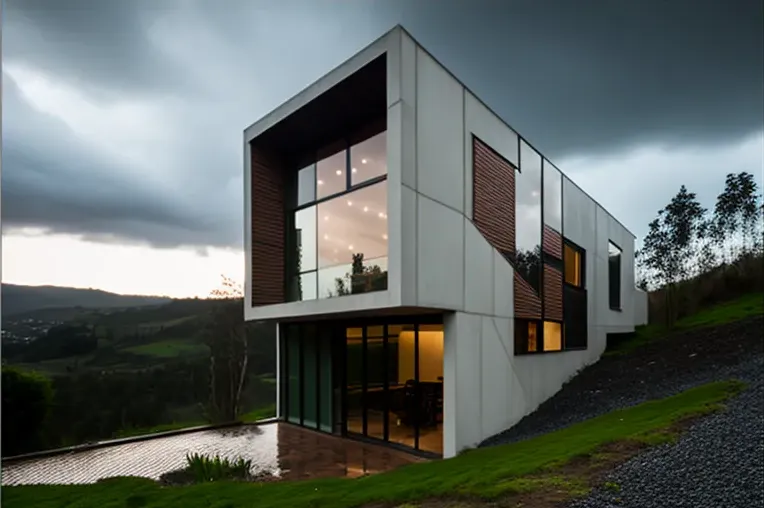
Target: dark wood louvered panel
552, 242
267, 195
493, 197
527, 302
552, 293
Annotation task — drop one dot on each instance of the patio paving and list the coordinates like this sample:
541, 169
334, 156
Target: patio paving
286, 451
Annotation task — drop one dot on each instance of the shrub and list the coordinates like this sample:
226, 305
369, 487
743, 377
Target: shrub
27, 398
209, 469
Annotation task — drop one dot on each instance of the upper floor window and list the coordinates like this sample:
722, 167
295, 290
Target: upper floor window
574, 265
338, 233
614, 275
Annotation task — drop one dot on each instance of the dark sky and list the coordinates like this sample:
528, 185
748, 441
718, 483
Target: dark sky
122, 120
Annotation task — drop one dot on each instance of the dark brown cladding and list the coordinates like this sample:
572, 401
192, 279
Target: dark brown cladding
552, 293
527, 302
552, 242
493, 197
267, 197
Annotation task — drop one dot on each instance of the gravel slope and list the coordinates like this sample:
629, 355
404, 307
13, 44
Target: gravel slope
659, 370
717, 463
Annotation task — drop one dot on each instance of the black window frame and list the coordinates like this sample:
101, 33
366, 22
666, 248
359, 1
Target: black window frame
614, 262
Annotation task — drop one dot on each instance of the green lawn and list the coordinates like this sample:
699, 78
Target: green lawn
168, 348
744, 307
483, 473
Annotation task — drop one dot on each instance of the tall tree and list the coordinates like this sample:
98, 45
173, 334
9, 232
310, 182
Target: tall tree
669, 247
737, 221
226, 339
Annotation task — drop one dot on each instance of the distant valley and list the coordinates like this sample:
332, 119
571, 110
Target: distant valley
18, 299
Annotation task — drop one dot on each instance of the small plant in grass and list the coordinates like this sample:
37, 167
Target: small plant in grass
210, 469
612, 487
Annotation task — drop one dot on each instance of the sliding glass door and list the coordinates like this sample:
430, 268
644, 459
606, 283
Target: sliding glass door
394, 384
381, 381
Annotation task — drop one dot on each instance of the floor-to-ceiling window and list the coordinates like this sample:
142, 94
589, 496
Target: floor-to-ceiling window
399, 395
366, 379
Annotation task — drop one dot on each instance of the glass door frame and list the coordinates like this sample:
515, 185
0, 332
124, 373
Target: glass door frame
365, 323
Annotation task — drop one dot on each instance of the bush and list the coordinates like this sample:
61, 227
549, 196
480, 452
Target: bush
27, 398
209, 469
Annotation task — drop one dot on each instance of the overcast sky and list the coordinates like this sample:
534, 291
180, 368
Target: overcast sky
122, 120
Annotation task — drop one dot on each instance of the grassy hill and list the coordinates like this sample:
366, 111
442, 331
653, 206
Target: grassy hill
18, 299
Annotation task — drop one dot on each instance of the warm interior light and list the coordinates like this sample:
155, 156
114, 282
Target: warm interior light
381, 215
320, 182
326, 217
384, 236
326, 237
363, 161
355, 170
350, 247
350, 203
365, 208
339, 172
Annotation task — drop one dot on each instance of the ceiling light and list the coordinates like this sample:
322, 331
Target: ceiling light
384, 236
320, 182
365, 208
326, 217
350, 203
381, 215
350, 247
339, 172
355, 170
363, 161
326, 237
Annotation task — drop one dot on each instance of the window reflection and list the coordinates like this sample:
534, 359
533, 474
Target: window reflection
330, 175
352, 242
305, 226
528, 216
306, 185
552, 197
368, 159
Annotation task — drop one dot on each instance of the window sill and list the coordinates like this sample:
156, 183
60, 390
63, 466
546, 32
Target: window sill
616, 309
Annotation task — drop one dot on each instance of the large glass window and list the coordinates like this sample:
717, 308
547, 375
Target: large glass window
331, 176
368, 159
552, 197
528, 216
352, 242
340, 236
614, 276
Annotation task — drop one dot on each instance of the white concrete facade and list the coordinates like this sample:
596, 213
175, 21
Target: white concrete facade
439, 260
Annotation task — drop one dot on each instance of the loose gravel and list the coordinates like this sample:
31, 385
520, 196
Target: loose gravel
717, 463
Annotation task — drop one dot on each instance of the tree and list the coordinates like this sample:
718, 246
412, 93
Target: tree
737, 221
669, 247
226, 339
27, 399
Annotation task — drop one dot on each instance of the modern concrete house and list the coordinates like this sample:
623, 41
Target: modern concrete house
434, 277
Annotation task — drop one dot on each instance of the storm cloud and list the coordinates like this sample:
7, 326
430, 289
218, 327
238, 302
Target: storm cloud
122, 121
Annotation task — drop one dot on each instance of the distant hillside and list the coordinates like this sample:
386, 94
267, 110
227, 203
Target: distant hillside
18, 299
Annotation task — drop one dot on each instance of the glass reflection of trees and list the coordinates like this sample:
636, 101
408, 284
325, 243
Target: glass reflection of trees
528, 216
552, 197
339, 231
